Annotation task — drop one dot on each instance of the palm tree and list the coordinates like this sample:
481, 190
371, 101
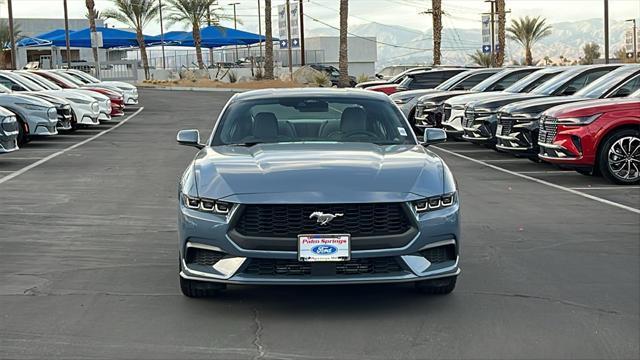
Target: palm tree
268, 42
343, 61
480, 58
136, 14
91, 14
500, 8
194, 12
436, 11
527, 31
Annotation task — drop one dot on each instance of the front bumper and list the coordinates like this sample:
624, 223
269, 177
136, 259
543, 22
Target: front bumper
438, 233
521, 139
453, 125
8, 135
428, 116
64, 118
479, 129
131, 97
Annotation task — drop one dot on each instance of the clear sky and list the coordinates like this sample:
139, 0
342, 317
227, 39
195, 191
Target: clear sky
460, 13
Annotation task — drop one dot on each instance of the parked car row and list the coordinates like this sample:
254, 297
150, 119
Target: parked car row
42, 102
585, 118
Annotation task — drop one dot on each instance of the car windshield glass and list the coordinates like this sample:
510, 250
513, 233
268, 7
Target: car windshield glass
605, 83
4, 89
45, 83
316, 119
30, 85
530, 82
550, 87
405, 83
79, 77
62, 80
70, 78
454, 80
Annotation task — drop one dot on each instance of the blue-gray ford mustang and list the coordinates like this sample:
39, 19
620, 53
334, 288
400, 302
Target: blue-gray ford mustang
316, 186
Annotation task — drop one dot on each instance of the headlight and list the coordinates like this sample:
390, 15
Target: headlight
95, 107
206, 205
434, 203
402, 100
33, 106
582, 120
429, 104
81, 101
53, 113
524, 117
484, 111
9, 124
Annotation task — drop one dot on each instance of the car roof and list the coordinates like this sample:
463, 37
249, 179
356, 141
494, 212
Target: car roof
309, 92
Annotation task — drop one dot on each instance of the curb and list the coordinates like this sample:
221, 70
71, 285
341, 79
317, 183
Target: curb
197, 89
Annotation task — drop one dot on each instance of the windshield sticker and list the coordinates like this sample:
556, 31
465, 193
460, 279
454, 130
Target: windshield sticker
402, 131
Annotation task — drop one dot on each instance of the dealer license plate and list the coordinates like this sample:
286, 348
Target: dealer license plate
499, 129
324, 247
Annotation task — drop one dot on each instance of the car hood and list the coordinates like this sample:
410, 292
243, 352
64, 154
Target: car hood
441, 96
414, 93
89, 94
321, 172
537, 106
495, 101
383, 86
372, 83
23, 98
51, 96
119, 84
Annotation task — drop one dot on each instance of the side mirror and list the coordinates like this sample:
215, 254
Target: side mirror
379, 76
569, 91
189, 138
433, 136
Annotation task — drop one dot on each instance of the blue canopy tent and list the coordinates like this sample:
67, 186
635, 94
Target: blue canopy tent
43, 39
111, 38
214, 36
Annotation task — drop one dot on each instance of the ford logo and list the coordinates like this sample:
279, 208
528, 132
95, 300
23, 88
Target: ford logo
324, 249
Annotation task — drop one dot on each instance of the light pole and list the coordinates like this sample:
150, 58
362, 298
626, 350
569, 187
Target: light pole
11, 36
66, 34
606, 31
635, 40
235, 24
164, 61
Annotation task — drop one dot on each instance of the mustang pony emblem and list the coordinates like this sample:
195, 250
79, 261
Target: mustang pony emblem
322, 218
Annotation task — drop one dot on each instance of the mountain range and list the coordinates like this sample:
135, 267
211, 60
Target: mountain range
413, 46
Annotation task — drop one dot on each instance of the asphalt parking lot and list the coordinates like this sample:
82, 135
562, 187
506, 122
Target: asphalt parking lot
88, 269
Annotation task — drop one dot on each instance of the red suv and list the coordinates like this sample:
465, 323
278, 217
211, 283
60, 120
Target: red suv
594, 137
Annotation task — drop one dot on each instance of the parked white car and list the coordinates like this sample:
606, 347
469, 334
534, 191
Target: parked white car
85, 107
129, 91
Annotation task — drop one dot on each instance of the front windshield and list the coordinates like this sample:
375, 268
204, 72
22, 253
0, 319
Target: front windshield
30, 85
603, 84
550, 87
70, 78
42, 81
83, 76
62, 80
530, 82
453, 81
317, 119
406, 82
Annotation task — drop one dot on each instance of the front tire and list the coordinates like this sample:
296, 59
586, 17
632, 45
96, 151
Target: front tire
442, 286
23, 136
619, 157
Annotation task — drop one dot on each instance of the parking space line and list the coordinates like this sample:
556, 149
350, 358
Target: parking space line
621, 187
475, 151
542, 172
58, 153
504, 160
543, 182
22, 158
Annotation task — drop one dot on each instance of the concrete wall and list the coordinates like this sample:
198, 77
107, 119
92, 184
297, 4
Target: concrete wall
362, 52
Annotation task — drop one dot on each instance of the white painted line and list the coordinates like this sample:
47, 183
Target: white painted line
475, 151
56, 154
621, 187
539, 181
506, 160
542, 172
22, 158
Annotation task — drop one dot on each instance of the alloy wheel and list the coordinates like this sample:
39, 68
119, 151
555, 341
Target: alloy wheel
624, 158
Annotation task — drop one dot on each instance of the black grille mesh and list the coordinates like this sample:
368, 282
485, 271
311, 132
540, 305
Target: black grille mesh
548, 130
447, 112
440, 253
203, 257
358, 220
283, 267
507, 122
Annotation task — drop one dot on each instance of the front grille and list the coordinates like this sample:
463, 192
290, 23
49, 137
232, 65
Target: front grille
506, 121
203, 257
469, 117
548, 130
440, 253
447, 112
288, 221
285, 267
